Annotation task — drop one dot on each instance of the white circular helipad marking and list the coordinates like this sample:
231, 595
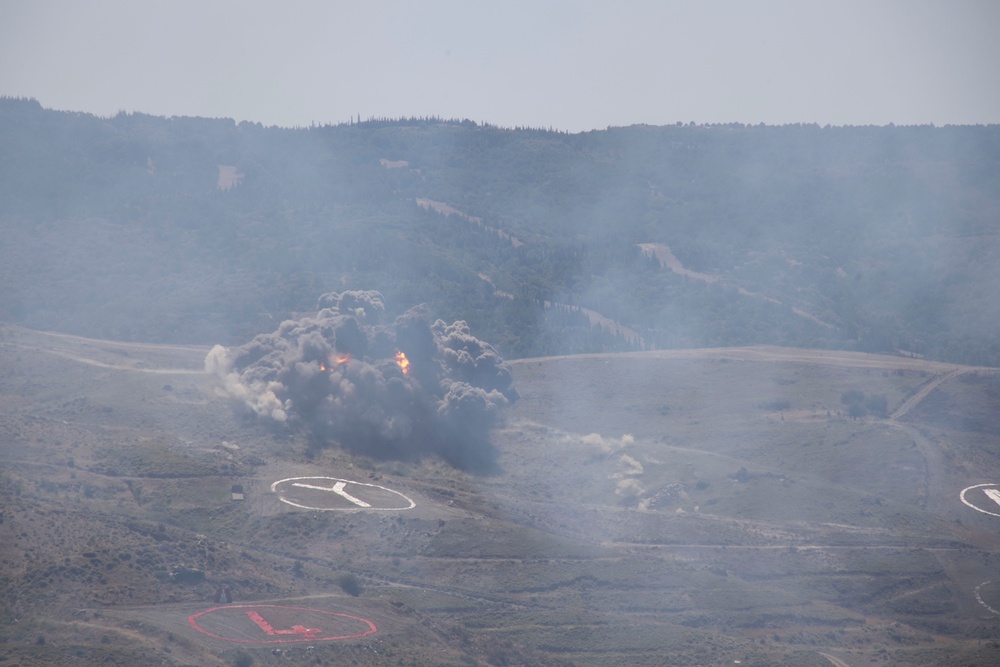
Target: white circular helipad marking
335, 494
989, 496
979, 598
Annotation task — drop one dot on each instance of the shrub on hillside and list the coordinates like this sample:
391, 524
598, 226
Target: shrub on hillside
350, 584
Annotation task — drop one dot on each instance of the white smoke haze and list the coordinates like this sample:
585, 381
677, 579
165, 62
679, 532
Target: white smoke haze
258, 396
629, 488
631, 467
400, 391
607, 447
627, 485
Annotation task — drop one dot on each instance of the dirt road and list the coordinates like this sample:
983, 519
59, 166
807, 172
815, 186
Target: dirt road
118, 366
768, 353
837, 662
925, 390
109, 354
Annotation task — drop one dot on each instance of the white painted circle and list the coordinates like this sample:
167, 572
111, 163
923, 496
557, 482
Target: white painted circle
332, 494
979, 598
995, 497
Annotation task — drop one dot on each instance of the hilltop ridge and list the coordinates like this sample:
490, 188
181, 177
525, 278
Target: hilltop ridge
207, 231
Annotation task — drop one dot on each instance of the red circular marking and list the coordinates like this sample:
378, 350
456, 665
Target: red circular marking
193, 620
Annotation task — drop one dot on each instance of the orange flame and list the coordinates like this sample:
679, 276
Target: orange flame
339, 360
404, 363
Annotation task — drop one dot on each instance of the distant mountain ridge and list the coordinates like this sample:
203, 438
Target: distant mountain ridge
194, 230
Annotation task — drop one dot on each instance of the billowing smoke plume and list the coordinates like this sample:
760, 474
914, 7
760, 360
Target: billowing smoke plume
399, 391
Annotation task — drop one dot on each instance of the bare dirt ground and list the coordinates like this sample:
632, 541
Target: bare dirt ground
665, 256
448, 210
648, 504
229, 177
606, 323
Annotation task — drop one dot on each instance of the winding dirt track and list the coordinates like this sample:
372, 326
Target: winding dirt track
765, 353
114, 343
90, 351
117, 367
768, 353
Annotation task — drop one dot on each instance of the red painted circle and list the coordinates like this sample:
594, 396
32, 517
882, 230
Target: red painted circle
254, 615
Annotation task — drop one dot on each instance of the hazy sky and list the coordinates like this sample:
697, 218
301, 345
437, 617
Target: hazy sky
570, 65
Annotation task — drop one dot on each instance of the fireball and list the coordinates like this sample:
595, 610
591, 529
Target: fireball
338, 360
403, 362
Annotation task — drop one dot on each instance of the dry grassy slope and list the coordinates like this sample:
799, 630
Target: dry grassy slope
709, 505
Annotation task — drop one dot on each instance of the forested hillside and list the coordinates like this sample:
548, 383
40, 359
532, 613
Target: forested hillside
196, 230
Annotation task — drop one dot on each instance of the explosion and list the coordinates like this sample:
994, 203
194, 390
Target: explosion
404, 390
402, 362
334, 362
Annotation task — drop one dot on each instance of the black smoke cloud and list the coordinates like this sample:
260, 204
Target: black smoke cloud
336, 374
